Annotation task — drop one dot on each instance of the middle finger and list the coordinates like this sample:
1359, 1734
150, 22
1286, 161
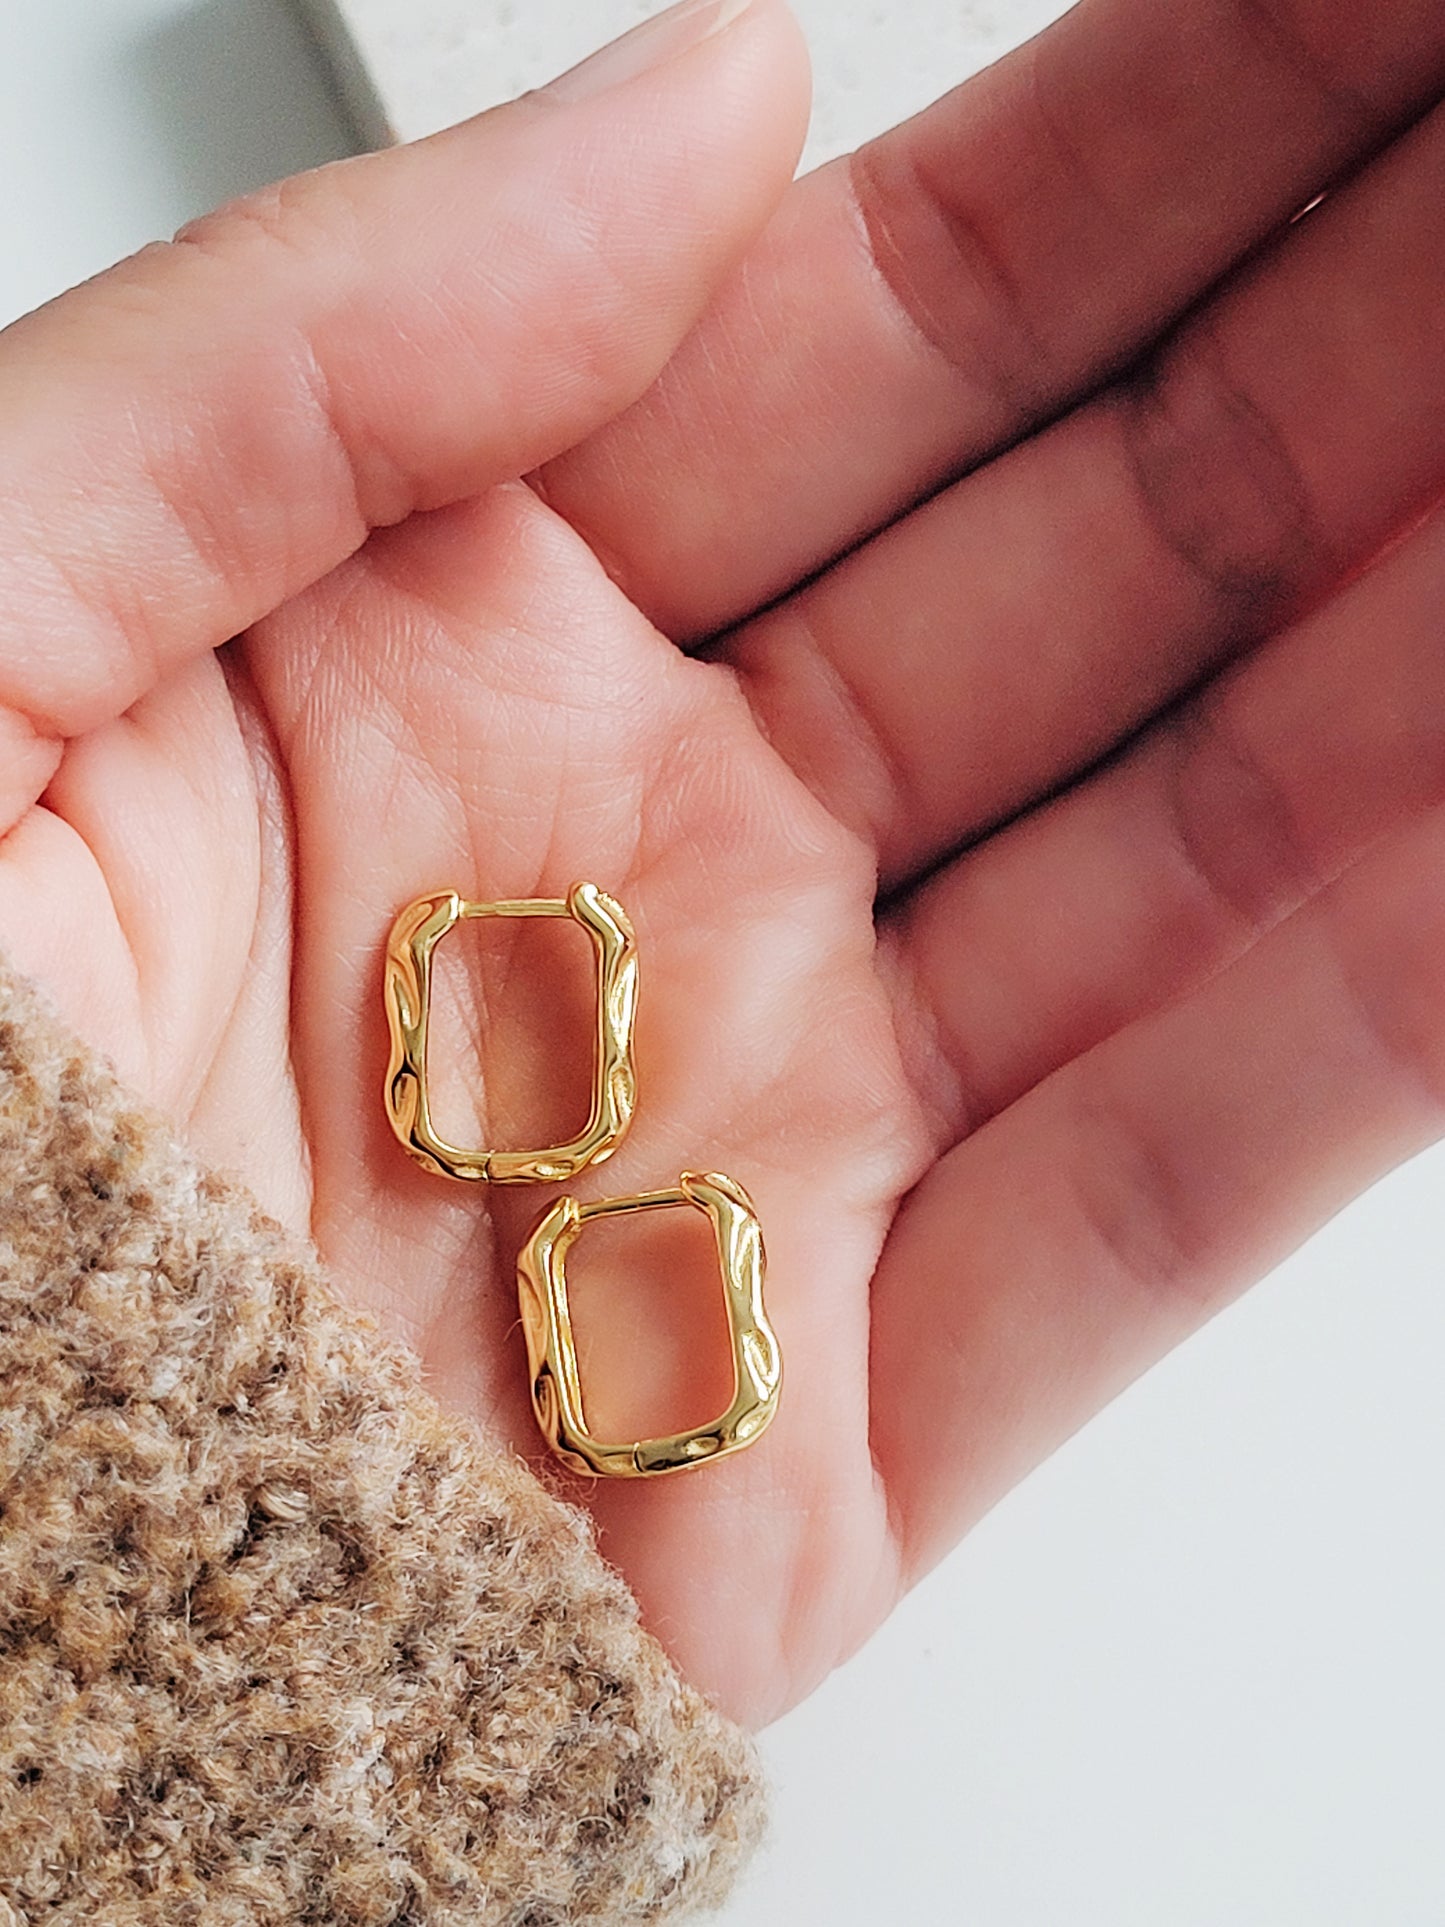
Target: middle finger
921, 304
1047, 605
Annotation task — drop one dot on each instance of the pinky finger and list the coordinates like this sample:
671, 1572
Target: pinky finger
1083, 1232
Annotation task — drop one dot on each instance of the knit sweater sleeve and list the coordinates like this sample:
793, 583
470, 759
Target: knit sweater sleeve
282, 1641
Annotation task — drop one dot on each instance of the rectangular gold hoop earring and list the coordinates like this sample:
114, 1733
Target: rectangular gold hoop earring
414, 937
552, 1351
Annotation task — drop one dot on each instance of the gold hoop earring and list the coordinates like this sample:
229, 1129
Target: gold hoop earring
552, 1353
414, 937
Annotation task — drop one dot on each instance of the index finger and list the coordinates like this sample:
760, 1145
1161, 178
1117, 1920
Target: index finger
215, 424
927, 301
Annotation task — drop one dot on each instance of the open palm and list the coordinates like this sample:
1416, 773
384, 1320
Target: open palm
1153, 983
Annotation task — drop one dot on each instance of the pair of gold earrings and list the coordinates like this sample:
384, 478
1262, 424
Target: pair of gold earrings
541, 1265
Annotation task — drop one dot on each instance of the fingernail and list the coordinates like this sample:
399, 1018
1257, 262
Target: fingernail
647, 45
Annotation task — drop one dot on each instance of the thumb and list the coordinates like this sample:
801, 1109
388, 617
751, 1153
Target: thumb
203, 431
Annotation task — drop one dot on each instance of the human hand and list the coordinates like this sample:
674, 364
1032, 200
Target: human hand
468, 700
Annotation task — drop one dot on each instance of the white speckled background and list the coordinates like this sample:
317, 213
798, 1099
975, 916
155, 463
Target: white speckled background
1191, 1674
430, 62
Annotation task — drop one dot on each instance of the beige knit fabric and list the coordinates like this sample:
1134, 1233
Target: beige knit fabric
280, 1641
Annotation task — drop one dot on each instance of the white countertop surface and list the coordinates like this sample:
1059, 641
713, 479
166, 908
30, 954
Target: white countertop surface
1191, 1674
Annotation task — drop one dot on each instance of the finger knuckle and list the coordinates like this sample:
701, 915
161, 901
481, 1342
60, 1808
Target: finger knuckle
1217, 484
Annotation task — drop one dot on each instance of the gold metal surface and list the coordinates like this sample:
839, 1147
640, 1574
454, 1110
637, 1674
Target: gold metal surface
552, 1352
414, 937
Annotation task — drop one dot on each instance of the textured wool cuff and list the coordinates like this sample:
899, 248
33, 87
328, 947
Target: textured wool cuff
281, 1641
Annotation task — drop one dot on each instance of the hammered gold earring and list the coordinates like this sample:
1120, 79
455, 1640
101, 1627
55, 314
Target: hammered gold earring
541, 1265
552, 1354
409, 953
